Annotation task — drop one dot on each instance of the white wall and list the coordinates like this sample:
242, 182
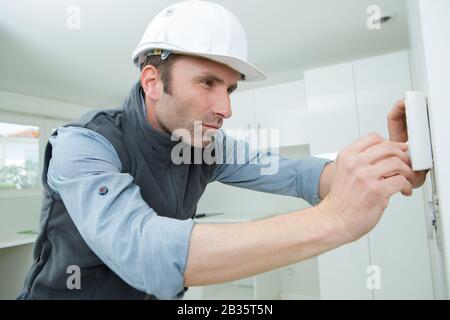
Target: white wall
429, 30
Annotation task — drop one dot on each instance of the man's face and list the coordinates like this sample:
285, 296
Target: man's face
200, 91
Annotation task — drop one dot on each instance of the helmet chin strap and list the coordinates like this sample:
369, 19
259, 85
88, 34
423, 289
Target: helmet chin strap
154, 52
165, 54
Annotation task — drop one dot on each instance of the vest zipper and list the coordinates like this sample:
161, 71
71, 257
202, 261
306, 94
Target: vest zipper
175, 206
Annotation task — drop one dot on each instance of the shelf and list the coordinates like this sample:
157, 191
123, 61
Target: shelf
13, 239
12, 194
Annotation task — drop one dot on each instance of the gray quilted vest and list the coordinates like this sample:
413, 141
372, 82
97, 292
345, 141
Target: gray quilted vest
171, 190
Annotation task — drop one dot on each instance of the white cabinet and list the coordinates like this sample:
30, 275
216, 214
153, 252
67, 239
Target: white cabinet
330, 95
379, 83
342, 272
281, 107
333, 124
392, 262
398, 244
265, 286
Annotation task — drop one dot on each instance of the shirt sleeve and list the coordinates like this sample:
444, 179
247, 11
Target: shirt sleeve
147, 251
268, 172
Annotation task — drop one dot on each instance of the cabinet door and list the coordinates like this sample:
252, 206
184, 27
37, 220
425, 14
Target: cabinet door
330, 96
243, 114
399, 245
267, 285
333, 125
343, 272
379, 83
283, 107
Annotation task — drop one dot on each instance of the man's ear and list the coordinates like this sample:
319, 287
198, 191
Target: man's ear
151, 82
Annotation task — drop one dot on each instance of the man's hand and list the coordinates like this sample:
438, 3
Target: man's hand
398, 133
366, 174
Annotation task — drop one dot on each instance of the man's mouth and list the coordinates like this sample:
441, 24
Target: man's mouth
211, 126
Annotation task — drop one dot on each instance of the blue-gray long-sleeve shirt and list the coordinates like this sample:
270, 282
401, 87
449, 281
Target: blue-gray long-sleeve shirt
153, 258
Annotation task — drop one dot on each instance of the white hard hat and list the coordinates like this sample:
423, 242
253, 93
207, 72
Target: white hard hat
198, 28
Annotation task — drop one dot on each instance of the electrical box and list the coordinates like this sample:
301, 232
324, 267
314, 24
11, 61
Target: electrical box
419, 142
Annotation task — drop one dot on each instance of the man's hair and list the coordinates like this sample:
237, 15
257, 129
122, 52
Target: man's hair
164, 67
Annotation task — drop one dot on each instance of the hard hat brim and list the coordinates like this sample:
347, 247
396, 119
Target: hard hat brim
250, 72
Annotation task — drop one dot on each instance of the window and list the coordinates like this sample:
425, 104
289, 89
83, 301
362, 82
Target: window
19, 156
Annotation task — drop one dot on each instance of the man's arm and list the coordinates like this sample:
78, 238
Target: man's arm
366, 175
269, 172
146, 250
325, 179
225, 252
356, 189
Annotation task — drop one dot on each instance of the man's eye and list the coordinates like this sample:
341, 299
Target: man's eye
208, 83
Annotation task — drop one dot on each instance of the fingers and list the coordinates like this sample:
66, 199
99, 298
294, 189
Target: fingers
392, 166
384, 150
397, 183
385, 160
397, 122
397, 113
365, 142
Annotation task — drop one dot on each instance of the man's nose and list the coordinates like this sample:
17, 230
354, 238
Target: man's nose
222, 107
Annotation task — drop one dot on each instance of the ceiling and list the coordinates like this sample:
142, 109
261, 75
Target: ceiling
40, 56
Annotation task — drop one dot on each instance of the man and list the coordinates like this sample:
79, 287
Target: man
117, 215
